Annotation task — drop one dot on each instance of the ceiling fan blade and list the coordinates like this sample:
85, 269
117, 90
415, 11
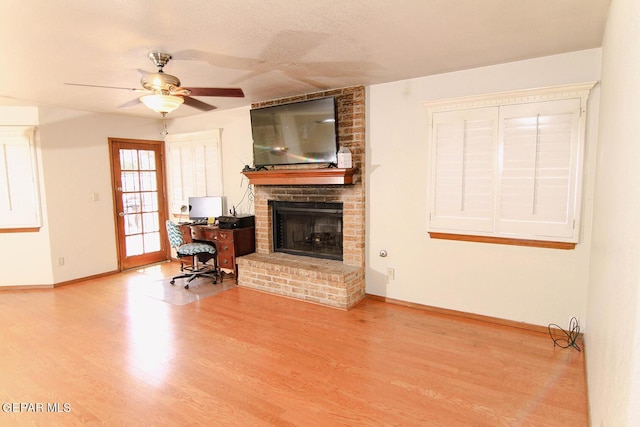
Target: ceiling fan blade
192, 102
107, 87
218, 60
131, 103
217, 91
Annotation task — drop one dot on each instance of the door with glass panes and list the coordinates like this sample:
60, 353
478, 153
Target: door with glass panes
140, 202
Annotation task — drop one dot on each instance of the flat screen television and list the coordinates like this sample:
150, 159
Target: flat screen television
203, 208
296, 133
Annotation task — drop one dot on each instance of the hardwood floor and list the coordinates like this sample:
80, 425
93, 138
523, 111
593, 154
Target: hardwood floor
109, 355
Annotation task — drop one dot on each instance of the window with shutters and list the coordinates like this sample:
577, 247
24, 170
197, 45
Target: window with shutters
19, 184
507, 168
194, 168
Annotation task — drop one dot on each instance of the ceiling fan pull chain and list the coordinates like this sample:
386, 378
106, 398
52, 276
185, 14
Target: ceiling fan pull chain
164, 131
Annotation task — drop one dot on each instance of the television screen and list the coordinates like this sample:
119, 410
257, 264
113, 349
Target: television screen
202, 208
296, 133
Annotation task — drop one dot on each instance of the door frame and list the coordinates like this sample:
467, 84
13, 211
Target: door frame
162, 198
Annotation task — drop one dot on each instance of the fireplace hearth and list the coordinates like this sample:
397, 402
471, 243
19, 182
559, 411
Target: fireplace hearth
311, 229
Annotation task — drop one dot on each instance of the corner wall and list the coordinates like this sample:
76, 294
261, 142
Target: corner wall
613, 338
532, 285
19, 270
74, 164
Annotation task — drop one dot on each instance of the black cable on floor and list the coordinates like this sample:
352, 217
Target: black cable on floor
569, 337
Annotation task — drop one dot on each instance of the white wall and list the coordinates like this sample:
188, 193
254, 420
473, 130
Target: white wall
74, 159
613, 340
21, 252
236, 149
532, 285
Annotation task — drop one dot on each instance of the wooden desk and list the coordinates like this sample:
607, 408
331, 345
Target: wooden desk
231, 243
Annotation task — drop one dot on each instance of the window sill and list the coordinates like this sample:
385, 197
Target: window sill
20, 230
503, 241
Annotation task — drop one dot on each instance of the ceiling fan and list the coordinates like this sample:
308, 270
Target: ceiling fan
163, 92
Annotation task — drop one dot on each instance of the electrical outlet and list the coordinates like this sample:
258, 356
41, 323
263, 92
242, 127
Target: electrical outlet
391, 273
60, 261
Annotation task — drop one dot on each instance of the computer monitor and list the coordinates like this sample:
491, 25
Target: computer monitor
203, 208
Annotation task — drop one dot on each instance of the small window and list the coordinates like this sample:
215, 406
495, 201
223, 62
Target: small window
195, 168
19, 195
508, 166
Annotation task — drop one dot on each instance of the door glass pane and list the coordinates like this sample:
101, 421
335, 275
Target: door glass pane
150, 222
130, 181
151, 242
148, 181
132, 224
128, 160
149, 202
147, 160
131, 203
134, 245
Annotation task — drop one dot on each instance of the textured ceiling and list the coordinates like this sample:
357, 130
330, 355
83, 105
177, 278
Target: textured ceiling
270, 49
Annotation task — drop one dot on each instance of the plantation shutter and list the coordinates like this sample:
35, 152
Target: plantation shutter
462, 183
508, 165
19, 196
540, 142
195, 167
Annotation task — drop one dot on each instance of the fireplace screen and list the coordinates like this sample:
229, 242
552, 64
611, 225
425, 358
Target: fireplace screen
308, 228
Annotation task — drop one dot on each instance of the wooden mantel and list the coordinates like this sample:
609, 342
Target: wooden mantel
324, 176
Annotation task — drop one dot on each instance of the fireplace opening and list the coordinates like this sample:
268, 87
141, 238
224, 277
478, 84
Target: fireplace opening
307, 228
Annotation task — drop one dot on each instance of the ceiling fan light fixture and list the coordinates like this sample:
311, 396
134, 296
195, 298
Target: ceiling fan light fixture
162, 103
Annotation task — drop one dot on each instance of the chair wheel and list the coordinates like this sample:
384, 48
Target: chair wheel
186, 286
173, 282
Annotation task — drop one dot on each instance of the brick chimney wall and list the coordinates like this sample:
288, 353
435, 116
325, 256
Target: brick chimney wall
339, 284
351, 134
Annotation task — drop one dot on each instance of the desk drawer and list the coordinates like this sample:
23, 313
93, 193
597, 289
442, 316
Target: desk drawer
226, 260
198, 233
226, 254
224, 247
225, 235
210, 235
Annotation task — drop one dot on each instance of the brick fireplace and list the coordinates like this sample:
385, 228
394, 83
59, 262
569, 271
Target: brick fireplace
331, 282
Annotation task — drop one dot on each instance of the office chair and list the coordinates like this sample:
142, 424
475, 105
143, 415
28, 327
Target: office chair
199, 252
